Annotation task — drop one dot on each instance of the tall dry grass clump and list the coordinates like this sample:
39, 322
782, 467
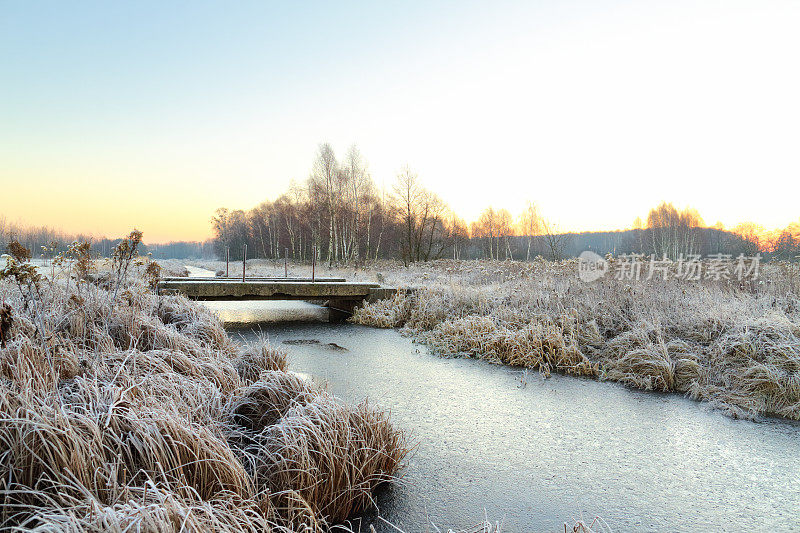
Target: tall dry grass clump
736, 345
123, 410
301, 459
258, 357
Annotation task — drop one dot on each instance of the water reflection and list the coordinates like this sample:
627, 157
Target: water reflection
237, 313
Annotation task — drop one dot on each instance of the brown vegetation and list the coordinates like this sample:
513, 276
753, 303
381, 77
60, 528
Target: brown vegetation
137, 412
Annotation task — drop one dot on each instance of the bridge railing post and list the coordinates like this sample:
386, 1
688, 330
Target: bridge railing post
244, 262
227, 260
285, 262
313, 263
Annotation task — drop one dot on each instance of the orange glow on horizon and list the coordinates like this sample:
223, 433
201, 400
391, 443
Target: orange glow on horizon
174, 213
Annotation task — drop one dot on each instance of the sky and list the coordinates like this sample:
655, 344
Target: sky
154, 114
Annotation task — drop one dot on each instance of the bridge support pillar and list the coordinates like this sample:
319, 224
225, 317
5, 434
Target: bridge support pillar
340, 309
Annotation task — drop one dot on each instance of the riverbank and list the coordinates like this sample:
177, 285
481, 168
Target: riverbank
734, 345
533, 453
120, 409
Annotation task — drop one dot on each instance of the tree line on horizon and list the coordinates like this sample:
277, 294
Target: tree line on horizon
341, 215
46, 242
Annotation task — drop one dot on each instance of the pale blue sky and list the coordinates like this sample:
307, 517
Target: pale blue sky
154, 113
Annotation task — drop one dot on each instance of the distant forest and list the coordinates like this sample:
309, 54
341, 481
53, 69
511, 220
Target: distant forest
47, 242
340, 215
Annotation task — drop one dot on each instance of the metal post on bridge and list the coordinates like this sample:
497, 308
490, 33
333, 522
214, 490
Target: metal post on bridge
285, 262
244, 262
313, 262
227, 260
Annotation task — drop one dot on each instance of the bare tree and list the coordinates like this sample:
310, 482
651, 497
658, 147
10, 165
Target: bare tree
408, 192
325, 176
436, 240
751, 237
556, 241
486, 228
358, 186
786, 245
673, 232
530, 226
458, 234
505, 229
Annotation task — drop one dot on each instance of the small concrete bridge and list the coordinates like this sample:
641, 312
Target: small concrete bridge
341, 296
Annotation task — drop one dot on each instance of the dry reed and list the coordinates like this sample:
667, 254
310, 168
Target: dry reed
735, 345
137, 412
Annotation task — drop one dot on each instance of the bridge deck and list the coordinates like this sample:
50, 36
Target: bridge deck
232, 289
